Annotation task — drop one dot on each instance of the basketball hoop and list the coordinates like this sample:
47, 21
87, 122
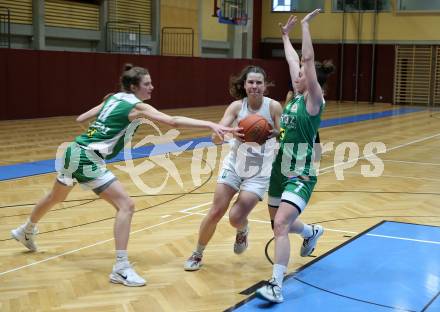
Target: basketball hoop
241, 20
233, 12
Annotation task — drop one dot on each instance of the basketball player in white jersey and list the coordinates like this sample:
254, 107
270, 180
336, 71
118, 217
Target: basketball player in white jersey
246, 169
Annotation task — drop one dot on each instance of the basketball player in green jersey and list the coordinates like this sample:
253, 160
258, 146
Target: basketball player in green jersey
293, 177
83, 161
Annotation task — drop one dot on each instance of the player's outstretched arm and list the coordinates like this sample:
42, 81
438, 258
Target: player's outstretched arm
290, 53
308, 58
148, 111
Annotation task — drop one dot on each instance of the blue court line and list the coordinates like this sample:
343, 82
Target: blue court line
15, 171
8, 172
363, 117
365, 274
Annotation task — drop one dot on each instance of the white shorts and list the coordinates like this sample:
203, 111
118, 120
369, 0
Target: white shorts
97, 185
256, 184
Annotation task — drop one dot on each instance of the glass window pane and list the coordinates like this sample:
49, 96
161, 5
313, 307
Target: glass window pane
419, 5
308, 6
363, 5
296, 5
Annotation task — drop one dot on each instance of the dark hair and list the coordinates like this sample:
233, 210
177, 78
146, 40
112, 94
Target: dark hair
131, 75
236, 83
323, 70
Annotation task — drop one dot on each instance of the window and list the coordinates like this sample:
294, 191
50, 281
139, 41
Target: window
419, 5
283, 5
296, 5
363, 5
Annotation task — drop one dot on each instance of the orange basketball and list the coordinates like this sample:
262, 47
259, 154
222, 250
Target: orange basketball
255, 128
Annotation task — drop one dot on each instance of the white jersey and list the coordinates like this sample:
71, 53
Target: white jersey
250, 159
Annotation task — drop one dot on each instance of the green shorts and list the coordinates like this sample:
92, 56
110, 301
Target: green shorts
295, 190
76, 164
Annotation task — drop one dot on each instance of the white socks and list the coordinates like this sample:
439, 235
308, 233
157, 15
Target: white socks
278, 273
200, 249
307, 231
29, 226
121, 255
243, 230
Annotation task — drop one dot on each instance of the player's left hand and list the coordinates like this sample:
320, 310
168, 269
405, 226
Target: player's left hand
273, 133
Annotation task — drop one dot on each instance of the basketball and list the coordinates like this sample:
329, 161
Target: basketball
255, 128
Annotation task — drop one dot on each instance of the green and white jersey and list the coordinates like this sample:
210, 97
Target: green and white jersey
297, 136
106, 134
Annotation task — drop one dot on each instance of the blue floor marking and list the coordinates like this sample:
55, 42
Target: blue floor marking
20, 170
47, 166
367, 273
350, 119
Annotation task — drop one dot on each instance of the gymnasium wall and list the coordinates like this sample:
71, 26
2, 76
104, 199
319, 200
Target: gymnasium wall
392, 27
183, 13
212, 29
21, 10
55, 83
383, 68
139, 11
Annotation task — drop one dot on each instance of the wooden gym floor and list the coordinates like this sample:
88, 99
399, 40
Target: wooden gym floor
76, 252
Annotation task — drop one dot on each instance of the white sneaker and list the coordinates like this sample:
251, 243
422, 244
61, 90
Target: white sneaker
309, 244
25, 237
123, 273
194, 262
241, 242
271, 292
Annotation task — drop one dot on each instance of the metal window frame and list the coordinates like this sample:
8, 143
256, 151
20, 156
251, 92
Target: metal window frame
8, 23
297, 11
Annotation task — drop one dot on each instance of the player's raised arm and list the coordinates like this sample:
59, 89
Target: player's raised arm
290, 53
314, 100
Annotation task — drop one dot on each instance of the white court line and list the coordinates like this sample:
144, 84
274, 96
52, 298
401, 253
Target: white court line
194, 207
201, 205
405, 239
397, 176
411, 162
350, 232
54, 257
185, 216
373, 154
99, 242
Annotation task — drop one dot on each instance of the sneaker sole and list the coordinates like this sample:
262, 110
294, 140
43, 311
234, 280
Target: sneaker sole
190, 269
115, 279
261, 296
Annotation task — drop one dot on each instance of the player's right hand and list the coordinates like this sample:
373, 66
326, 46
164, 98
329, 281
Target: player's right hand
238, 134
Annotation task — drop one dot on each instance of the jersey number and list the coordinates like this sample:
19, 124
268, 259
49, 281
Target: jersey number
107, 111
299, 187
